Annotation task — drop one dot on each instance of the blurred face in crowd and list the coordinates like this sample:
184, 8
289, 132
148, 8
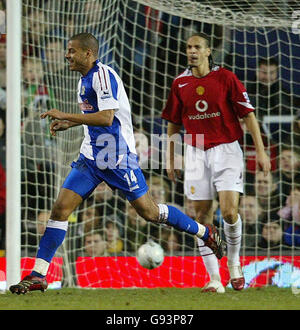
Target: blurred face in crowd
264, 185
272, 232
267, 74
293, 198
33, 71
249, 209
55, 53
288, 161
93, 10
197, 51
89, 214
90, 218
94, 245
37, 25
112, 232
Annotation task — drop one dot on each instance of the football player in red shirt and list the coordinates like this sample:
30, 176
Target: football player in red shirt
209, 100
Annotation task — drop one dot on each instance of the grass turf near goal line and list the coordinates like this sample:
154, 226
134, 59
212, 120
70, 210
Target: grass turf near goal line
267, 298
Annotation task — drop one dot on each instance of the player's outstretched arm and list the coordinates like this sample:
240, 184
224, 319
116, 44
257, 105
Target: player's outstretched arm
100, 118
261, 156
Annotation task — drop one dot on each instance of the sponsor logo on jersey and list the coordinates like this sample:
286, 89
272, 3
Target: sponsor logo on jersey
205, 116
105, 95
85, 106
202, 106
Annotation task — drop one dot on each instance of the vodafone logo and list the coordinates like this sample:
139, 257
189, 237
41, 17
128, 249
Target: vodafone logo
201, 106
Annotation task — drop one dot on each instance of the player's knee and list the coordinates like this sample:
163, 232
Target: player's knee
230, 214
60, 210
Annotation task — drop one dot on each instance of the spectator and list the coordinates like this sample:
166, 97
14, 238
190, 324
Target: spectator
37, 145
94, 244
36, 27
269, 97
90, 219
250, 212
292, 234
248, 147
271, 235
290, 213
58, 78
268, 195
107, 204
291, 209
294, 139
266, 93
36, 96
114, 241
94, 13
289, 165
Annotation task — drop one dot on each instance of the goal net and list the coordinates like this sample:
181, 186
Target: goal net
144, 41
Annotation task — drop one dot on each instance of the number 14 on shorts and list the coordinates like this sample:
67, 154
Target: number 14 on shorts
131, 180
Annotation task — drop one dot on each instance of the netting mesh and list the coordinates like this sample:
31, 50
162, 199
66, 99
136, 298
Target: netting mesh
144, 41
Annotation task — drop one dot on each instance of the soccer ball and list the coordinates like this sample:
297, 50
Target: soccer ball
150, 255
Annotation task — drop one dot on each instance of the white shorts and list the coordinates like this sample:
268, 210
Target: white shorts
216, 169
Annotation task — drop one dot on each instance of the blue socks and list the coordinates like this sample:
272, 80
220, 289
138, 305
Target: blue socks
182, 222
50, 242
53, 237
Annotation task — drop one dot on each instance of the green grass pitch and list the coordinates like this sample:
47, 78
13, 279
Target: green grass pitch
268, 298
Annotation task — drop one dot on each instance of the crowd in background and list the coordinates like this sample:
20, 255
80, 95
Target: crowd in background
105, 223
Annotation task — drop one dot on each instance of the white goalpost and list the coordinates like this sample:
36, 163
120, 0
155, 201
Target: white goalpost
144, 41
13, 140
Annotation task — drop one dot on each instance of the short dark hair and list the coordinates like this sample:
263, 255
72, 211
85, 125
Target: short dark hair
201, 35
268, 61
87, 41
208, 44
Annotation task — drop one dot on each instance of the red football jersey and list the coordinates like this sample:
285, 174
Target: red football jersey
211, 105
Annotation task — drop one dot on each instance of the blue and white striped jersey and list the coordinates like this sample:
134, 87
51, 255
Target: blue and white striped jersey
102, 89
